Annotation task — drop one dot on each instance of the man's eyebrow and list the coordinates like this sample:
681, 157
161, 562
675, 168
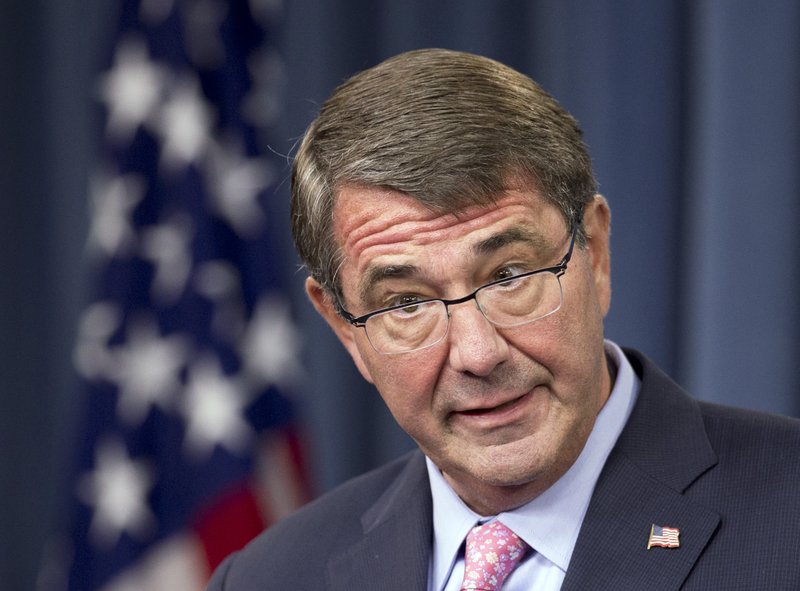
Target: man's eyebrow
510, 236
375, 274
378, 273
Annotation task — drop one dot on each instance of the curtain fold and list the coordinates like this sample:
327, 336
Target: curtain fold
740, 337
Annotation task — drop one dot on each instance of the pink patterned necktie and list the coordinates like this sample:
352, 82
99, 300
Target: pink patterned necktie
493, 551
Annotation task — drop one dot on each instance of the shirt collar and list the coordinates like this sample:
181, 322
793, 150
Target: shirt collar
549, 523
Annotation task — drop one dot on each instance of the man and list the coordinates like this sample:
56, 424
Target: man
446, 210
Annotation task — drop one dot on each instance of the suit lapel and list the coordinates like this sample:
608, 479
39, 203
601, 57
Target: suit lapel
395, 548
611, 551
662, 450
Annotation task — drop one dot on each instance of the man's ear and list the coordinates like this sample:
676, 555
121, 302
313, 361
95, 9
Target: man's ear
345, 331
597, 223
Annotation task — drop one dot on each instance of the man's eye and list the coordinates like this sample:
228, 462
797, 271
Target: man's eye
506, 273
404, 300
409, 309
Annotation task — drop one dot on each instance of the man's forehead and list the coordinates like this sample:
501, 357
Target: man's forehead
365, 216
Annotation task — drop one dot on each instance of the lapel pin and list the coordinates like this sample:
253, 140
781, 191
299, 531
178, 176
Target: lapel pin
663, 537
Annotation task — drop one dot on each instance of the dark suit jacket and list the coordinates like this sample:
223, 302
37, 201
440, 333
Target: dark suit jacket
728, 479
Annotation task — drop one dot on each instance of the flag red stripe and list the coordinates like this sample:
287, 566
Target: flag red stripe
228, 524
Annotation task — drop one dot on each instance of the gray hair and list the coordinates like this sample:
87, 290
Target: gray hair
447, 128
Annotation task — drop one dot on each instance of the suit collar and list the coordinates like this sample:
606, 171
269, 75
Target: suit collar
665, 434
662, 450
395, 548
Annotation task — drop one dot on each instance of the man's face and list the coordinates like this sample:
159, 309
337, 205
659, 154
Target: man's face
503, 412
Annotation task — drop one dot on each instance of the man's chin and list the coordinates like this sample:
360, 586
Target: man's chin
510, 463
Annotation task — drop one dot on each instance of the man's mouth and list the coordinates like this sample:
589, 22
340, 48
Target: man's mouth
505, 414
494, 409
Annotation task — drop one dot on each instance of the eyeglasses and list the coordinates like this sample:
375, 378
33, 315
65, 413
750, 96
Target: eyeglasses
506, 303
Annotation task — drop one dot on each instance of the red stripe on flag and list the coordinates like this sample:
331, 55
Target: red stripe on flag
297, 450
228, 524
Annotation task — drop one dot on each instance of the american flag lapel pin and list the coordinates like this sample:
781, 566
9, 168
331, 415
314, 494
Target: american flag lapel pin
663, 537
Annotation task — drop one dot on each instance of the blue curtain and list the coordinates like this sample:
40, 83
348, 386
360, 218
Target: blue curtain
691, 113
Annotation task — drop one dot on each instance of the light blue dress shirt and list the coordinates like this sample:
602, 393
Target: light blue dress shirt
550, 523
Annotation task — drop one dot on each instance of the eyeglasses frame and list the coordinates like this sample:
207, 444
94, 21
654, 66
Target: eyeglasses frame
558, 270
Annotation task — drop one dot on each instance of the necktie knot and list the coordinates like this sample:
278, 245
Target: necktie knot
492, 552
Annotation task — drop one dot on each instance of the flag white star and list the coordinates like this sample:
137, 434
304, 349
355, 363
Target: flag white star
167, 246
117, 491
92, 356
203, 19
266, 11
147, 370
220, 282
264, 102
184, 124
236, 182
214, 406
131, 90
271, 345
155, 12
113, 200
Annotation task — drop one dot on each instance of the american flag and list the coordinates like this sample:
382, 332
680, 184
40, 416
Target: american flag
187, 352
663, 537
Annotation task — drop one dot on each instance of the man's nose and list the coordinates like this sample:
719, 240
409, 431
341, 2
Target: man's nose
476, 346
